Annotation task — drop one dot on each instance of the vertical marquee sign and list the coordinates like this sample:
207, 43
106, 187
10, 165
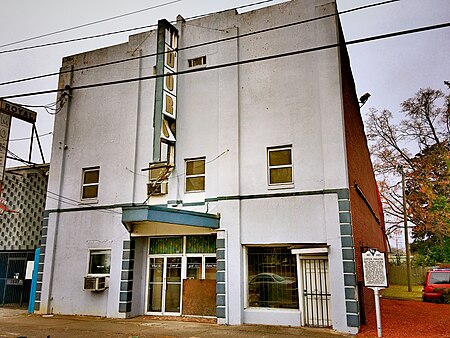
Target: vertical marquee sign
8, 110
165, 111
5, 125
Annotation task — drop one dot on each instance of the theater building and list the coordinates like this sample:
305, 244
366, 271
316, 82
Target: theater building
213, 167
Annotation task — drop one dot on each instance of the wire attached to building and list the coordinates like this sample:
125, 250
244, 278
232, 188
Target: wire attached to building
59, 198
90, 23
242, 62
200, 44
114, 32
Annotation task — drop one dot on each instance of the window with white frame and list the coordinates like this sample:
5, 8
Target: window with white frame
279, 165
195, 175
89, 189
201, 267
99, 262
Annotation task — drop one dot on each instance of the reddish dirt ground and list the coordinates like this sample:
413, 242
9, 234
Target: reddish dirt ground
409, 319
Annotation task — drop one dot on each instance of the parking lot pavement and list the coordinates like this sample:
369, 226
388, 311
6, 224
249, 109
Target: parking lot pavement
17, 323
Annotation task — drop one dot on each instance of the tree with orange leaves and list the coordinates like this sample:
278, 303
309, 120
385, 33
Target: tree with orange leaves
424, 129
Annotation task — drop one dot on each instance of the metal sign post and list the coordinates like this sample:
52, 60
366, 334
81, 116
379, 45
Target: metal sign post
375, 277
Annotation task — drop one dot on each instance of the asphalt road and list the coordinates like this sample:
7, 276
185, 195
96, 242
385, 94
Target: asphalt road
17, 323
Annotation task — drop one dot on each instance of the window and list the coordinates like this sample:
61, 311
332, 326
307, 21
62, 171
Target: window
200, 61
99, 262
90, 183
272, 278
195, 175
203, 267
279, 162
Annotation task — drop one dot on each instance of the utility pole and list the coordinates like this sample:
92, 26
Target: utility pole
405, 223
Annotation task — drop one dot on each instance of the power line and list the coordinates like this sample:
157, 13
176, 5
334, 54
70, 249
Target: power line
59, 198
90, 23
242, 62
205, 43
111, 33
28, 138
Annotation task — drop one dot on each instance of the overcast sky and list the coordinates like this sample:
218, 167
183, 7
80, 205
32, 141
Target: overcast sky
392, 70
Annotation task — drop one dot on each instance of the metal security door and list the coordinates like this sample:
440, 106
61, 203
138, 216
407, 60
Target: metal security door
316, 294
164, 287
13, 286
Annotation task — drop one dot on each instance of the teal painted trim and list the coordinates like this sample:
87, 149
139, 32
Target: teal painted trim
353, 320
193, 204
37, 253
159, 85
277, 195
174, 202
348, 256
83, 207
91, 207
151, 213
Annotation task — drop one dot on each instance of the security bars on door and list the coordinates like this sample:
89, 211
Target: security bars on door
316, 294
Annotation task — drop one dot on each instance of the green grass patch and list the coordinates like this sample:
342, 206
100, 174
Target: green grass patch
401, 292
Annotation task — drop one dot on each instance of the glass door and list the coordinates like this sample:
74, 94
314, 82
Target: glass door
173, 284
164, 287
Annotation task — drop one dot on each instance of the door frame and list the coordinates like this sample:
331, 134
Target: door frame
300, 273
164, 284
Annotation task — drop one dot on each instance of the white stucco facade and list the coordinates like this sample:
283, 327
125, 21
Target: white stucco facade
229, 116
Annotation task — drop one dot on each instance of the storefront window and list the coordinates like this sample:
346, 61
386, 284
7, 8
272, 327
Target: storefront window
272, 278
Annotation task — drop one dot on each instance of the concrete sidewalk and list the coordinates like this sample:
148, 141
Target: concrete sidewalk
17, 323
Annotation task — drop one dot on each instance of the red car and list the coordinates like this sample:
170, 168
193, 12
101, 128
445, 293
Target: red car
436, 283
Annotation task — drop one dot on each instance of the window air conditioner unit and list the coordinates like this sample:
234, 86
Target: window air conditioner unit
94, 283
159, 188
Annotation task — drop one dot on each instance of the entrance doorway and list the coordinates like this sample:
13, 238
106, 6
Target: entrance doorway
316, 292
14, 288
181, 275
164, 287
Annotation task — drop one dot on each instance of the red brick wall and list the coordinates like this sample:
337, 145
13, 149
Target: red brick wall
367, 218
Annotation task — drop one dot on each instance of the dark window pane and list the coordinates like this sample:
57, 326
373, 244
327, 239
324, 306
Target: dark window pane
91, 176
280, 157
194, 268
195, 167
195, 183
280, 175
210, 267
99, 262
90, 191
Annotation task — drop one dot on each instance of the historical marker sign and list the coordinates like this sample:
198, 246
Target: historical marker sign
17, 111
374, 267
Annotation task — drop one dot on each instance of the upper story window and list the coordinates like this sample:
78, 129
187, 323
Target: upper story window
89, 189
99, 262
279, 163
200, 61
195, 175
